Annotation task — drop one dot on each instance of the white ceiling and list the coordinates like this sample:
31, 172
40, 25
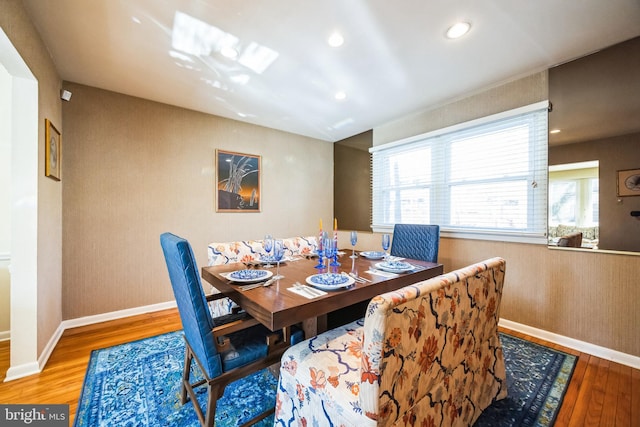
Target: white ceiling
395, 59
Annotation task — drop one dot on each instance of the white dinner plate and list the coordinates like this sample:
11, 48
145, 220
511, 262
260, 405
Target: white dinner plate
249, 276
330, 281
373, 254
394, 266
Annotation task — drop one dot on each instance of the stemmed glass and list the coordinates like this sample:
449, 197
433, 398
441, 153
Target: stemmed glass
278, 253
386, 241
268, 246
354, 240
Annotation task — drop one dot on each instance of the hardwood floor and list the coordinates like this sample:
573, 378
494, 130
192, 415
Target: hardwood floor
601, 393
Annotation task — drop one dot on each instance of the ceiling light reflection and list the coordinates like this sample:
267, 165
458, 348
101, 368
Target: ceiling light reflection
458, 30
198, 38
335, 40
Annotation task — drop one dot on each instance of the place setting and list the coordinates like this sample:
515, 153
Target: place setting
250, 278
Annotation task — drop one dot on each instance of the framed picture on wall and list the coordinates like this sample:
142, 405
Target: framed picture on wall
237, 182
52, 151
629, 182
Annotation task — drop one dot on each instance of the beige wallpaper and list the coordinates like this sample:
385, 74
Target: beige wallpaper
136, 168
582, 295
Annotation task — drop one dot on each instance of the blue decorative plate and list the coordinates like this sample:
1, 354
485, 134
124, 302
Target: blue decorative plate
330, 281
248, 276
373, 254
395, 266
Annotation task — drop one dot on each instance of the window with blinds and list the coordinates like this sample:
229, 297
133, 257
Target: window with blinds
484, 177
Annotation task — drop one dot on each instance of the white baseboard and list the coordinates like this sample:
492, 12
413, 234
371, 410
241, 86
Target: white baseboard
585, 347
113, 315
16, 372
5, 335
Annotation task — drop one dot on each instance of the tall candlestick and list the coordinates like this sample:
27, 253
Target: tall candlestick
320, 223
335, 223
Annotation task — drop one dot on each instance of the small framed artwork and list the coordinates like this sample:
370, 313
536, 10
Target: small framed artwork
629, 182
52, 151
237, 182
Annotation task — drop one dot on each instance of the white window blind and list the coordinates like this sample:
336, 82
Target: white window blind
488, 176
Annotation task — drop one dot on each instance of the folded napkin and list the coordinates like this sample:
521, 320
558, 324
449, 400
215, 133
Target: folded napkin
393, 258
382, 273
307, 291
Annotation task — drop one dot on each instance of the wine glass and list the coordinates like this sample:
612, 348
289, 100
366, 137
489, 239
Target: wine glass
386, 241
268, 246
278, 253
354, 240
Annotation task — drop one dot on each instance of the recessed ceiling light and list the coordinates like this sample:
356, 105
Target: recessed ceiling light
335, 40
340, 95
555, 131
458, 30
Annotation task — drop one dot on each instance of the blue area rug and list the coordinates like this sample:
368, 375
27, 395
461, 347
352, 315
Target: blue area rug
138, 384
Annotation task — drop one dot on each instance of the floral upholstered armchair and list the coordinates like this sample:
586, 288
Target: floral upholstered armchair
246, 251
428, 354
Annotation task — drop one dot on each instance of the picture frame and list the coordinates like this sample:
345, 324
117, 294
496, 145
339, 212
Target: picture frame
629, 182
52, 151
238, 182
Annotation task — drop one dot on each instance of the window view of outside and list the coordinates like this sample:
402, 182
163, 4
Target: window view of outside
487, 177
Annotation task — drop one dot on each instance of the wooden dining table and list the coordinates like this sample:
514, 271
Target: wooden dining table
277, 306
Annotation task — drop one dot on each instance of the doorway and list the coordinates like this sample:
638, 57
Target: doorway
22, 123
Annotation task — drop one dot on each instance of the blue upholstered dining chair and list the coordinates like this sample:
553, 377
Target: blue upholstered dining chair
416, 241
225, 348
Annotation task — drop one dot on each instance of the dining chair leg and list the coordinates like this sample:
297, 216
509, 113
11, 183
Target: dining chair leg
185, 375
213, 392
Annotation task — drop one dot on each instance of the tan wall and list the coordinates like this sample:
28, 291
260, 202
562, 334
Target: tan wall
23, 35
587, 296
136, 168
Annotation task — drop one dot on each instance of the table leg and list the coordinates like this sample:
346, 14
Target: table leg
314, 326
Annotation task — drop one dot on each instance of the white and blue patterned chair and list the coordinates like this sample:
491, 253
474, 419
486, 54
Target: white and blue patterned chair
428, 354
225, 348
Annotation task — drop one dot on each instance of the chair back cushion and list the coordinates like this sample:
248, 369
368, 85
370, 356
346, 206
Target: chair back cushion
572, 240
192, 305
417, 241
230, 252
300, 246
431, 351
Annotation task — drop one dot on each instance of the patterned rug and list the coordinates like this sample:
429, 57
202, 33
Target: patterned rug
138, 384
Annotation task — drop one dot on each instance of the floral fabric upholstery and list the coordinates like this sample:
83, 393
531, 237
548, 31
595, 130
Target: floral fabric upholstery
428, 354
247, 251
251, 250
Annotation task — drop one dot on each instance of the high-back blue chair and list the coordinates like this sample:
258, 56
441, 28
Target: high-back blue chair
416, 241
226, 348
